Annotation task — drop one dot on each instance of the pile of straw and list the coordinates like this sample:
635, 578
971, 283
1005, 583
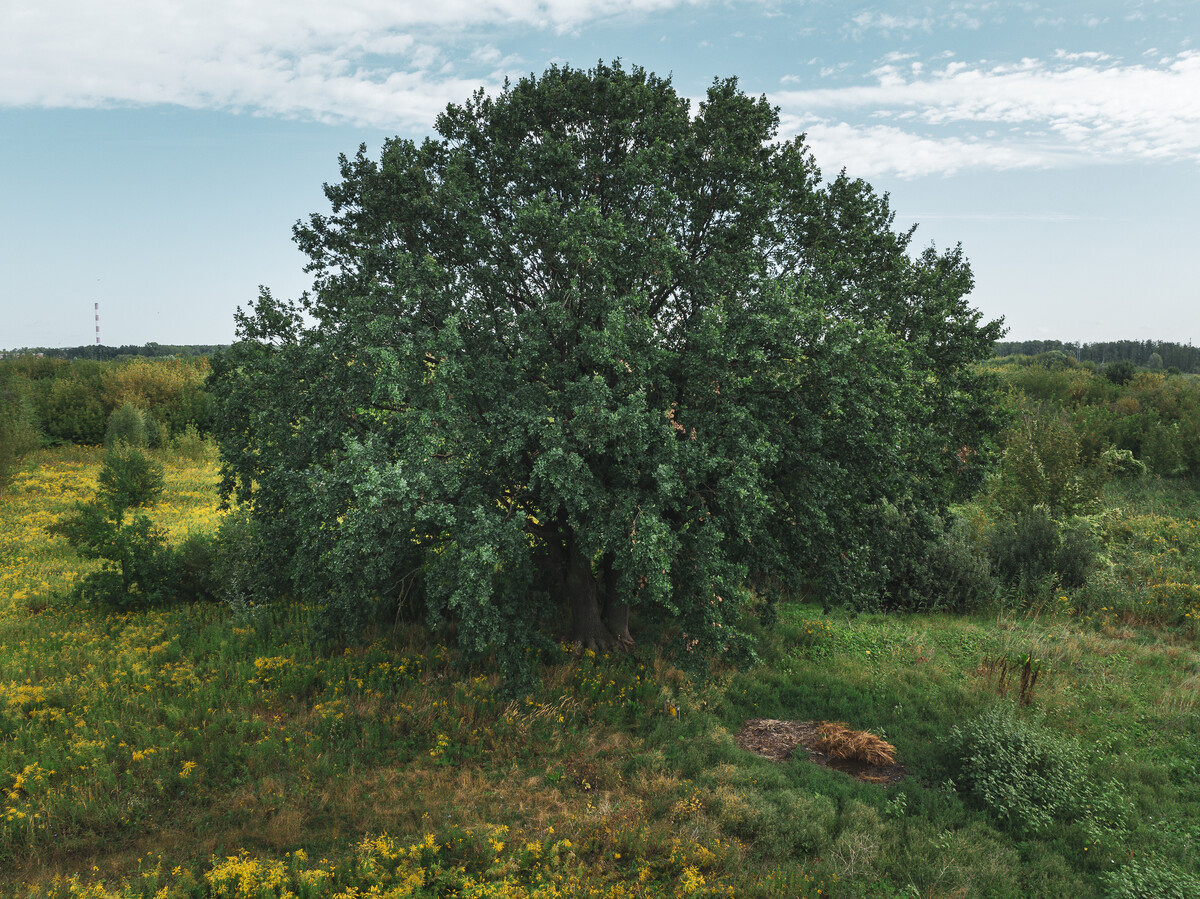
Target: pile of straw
840, 742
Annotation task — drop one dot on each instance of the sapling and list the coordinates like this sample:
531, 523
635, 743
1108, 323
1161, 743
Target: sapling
135, 560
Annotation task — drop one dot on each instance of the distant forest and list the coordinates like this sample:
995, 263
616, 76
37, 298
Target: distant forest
1180, 356
1184, 357
108, 353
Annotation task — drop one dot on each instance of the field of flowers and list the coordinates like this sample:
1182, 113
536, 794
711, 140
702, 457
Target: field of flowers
215, 751
201, 751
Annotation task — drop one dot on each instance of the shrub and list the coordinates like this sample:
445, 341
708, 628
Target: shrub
1097, 428
244, 571
190, 445
927, 565
129, 479
71, 407
1026, 776
959, 572
1162, 449
1023, 548
18, 435
1149, 878
1120, 372
194, 573
1122, 464
1055, 360
1042, 465
1189, 439
1061, 387
127, 425
1031, 551
136, 563
1076, 556
170, 389
154, 431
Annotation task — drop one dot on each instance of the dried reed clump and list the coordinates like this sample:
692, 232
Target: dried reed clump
840, 742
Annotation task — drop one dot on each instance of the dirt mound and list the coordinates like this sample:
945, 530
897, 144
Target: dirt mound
860, 754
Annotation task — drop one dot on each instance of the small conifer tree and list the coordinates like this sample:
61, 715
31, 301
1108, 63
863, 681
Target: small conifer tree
136, 561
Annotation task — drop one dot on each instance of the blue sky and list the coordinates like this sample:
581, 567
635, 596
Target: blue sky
154, 154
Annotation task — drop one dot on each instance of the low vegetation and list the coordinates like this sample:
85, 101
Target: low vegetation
213, 749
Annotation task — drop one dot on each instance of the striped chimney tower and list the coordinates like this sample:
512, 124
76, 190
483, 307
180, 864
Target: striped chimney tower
97, 324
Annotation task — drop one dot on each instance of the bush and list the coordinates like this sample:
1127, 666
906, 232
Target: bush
18, 435
1023, 548
1043, 465
194, 569
190, 445
1031, 550
229, 566
127, 425
1098, 429
1076, 556
154, 431
1148, 878
959, 572
1120, 372
71, 407
1122, 464
170, 389
245, 573
1055, 360
1189, 439
930, 566
137, 565
1162, 449
136, 562
1026, 776
129, 479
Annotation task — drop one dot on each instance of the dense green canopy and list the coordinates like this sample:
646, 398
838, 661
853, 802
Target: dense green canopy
590, 349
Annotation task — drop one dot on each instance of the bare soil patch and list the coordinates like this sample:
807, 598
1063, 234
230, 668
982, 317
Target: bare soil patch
860, 754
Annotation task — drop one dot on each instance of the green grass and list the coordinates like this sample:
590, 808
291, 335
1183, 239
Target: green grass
1178, 497
208, 752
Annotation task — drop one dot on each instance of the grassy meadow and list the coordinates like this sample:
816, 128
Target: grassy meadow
214, 751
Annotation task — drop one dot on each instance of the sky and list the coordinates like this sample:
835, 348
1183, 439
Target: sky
155, 154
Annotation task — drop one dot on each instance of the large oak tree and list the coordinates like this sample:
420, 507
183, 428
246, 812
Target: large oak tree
591, 349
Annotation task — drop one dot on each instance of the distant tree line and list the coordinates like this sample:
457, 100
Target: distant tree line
53, 401
111, 353
1180, 356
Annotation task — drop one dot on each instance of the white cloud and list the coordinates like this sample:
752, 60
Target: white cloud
865, 151
1052, 114
1086, 56
394, 64
866, 23
887, 23
376, 62
488, 53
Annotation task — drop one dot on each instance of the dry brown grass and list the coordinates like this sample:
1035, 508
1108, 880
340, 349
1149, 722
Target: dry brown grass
840, 742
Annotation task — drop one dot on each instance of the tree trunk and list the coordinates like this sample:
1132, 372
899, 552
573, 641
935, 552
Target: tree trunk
587, 628
616, 610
